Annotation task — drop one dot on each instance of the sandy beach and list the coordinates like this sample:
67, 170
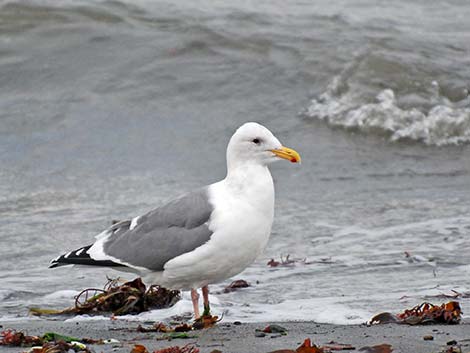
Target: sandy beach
228, 337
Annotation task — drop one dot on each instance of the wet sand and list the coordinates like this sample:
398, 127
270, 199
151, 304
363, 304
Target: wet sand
228, 337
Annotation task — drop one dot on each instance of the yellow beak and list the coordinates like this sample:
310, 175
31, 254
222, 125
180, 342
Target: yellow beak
287, 153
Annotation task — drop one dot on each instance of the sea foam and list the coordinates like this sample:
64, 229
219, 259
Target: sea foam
445, 123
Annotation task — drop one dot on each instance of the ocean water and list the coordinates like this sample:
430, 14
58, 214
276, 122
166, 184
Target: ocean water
110, 108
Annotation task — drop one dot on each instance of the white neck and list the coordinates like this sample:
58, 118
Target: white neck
254, 182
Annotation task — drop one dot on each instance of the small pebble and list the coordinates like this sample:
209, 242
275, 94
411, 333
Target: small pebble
260, 334
237, 323
452, 343
428, 338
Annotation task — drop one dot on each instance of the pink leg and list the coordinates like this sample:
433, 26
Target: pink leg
205, 296
195, 299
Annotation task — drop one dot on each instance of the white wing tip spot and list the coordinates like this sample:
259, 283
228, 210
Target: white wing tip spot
134, 222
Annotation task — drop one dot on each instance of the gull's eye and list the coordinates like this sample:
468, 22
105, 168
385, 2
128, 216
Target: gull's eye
257, 141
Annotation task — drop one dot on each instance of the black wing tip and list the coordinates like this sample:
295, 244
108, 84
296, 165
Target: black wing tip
71, 258
81, 257
55, 264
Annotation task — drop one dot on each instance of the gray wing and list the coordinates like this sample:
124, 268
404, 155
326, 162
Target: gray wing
162, 234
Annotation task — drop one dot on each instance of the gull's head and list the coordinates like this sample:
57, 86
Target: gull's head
254, 143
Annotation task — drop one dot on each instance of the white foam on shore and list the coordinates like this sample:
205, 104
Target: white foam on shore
332, 310
80, 318
322, 310
446, 123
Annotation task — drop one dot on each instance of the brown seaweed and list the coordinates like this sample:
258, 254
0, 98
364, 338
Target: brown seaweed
424, 313
128, 298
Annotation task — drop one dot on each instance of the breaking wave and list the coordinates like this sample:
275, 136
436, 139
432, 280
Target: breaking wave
445, 123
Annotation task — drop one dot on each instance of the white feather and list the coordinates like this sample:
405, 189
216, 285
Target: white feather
134, 222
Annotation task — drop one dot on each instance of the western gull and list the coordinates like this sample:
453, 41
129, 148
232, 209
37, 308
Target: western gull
202, 237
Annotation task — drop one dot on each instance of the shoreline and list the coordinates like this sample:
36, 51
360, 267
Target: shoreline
228, 337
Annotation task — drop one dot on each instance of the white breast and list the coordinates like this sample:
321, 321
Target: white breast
241, 222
